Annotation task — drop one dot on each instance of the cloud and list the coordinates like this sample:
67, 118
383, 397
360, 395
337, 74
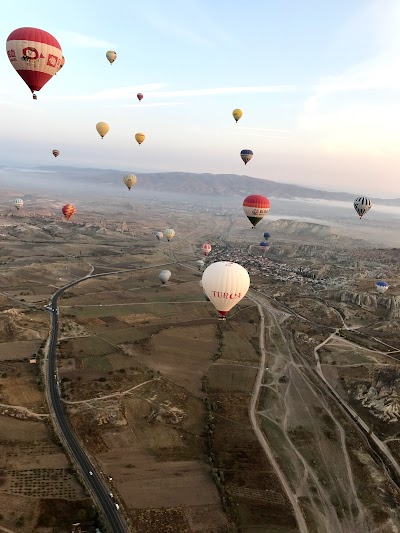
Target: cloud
113, 94
223, 91
72, 38
356, 110
265, 135
155, 104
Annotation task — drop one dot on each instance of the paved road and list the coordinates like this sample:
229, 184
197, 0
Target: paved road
98, 488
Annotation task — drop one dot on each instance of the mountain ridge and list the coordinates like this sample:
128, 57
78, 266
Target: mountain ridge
208, 184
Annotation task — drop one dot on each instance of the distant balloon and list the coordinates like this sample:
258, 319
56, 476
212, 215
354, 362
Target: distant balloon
159, 235
164, 276
18, 203
267, 235
169, 234
102, 129
200, 264
264, 246
140, 137
237, 114
255, 208
56, 153
225, 284
68, 211
362, 205
246, 155
35, 55
381, 286
139, 96
130, 180
206, 248
111, 56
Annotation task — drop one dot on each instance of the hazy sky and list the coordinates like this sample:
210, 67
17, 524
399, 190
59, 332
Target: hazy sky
318, 82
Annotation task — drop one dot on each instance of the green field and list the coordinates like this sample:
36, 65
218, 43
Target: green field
85, 347
237, 348
118, 336
231, 378
97, 362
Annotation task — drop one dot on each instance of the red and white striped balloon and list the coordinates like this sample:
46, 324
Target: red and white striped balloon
35, 54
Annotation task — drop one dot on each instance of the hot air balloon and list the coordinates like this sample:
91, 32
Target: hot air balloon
139, 96
111, 56
130, 180
225, 284
246, 155
35, 55
266, 235
381, 286
264, 246
169, 233
159, 235
200, 264
362, 205
62, 63
18, 203
164, 276
102, 129
140, 137
255, 208
237, 114
56, 153
68, 211
206, 248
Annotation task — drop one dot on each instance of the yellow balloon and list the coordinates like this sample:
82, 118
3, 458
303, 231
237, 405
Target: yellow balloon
237, 114
111, 56
140, 137
130, 180
102, 128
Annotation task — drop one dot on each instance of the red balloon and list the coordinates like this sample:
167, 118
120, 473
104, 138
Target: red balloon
140, 96
68, 211
35, 54
255, 208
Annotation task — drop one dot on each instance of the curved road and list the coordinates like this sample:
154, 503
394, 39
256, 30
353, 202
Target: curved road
98, 488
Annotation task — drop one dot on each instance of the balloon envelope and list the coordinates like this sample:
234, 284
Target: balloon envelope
246, 155
381, 286
206, 248
68, 211
225, 283
140, 137
102, 128
164, 276
266, 235
130, 180
200, 264
56, 153
35, 54
139, 96
159, 235
18, 203
237, 114
111, 56
255, 208
62, 63
362, 205
169, 233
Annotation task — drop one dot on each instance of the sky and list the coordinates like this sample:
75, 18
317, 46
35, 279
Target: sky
318, 82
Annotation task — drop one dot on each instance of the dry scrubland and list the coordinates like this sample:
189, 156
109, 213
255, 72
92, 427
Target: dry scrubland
159, 393
158, 390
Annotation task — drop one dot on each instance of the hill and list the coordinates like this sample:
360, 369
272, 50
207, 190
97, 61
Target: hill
194, 184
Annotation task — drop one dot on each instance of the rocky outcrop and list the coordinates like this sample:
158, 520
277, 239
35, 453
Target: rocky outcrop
390, 304
382, 396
